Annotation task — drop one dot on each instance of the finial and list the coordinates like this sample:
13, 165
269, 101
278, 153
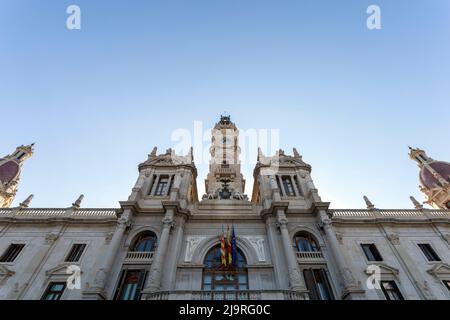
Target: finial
26, 202
369, 204
77, 203
153, 153
416, 203
190, 155
260, 154
296, 154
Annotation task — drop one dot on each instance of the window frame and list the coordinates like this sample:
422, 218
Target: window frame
167, 185
78, 255
49, 291
310, 276
142, 236
429, 252
286, 182
216, 270
377, 256
6, 253
310, 240
143, 275
396, 290
446, 284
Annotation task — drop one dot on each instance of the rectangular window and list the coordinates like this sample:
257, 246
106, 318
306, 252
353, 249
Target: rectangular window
12, 252
162, 186
76, 252
391, 291
318, 284
130, 285
371, 252
54, 291
288, 186
429, 252
447, 284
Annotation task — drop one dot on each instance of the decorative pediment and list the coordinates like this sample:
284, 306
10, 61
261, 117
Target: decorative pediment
170, 158
281, 159
59, 270
440, 270
5, 273
385, 270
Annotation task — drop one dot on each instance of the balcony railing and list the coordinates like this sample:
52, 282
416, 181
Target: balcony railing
139, 257
228, 295
390, 213
310, 257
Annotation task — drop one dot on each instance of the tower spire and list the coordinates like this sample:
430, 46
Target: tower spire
225, 164
10, 169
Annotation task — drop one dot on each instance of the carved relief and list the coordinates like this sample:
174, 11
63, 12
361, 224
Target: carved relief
257, 243
50, 238
339, 237
192, 243
109, 237
394, 238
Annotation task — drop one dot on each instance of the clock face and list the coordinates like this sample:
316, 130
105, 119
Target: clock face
227, 140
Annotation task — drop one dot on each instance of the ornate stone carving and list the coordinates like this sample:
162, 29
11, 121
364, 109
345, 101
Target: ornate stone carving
109, 237
192, 243
349, 279
100, 278
257, 243
339, 237
394, 238
51, 237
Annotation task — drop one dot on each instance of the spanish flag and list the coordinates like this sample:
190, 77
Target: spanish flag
223, 259
229, 248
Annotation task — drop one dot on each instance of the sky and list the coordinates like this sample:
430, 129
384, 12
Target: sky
97, 100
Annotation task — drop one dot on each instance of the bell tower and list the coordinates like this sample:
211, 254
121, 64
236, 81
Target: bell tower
225, 180
10, 167
434, 179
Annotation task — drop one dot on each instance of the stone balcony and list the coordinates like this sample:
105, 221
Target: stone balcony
228, 295
310, 257
139, 257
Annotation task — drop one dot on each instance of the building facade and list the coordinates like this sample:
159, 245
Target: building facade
165, 243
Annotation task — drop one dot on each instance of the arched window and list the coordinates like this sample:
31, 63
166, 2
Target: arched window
304, 242
145, 242
217, 277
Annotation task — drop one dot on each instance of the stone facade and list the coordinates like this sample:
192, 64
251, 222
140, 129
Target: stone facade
157, 244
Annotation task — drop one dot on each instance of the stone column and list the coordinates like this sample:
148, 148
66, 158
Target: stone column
351, 287
155, 184
296, 281
280, 183
294, 185
102, 275
169, 182
154, 280
174, 256
275, 253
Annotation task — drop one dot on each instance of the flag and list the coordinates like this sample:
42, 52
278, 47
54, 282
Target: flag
233, 247
223, 260
229, 253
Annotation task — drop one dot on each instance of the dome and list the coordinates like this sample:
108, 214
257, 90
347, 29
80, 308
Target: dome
428, 180
8, 171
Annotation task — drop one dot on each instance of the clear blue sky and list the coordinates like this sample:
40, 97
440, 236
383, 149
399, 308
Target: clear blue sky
351, 100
